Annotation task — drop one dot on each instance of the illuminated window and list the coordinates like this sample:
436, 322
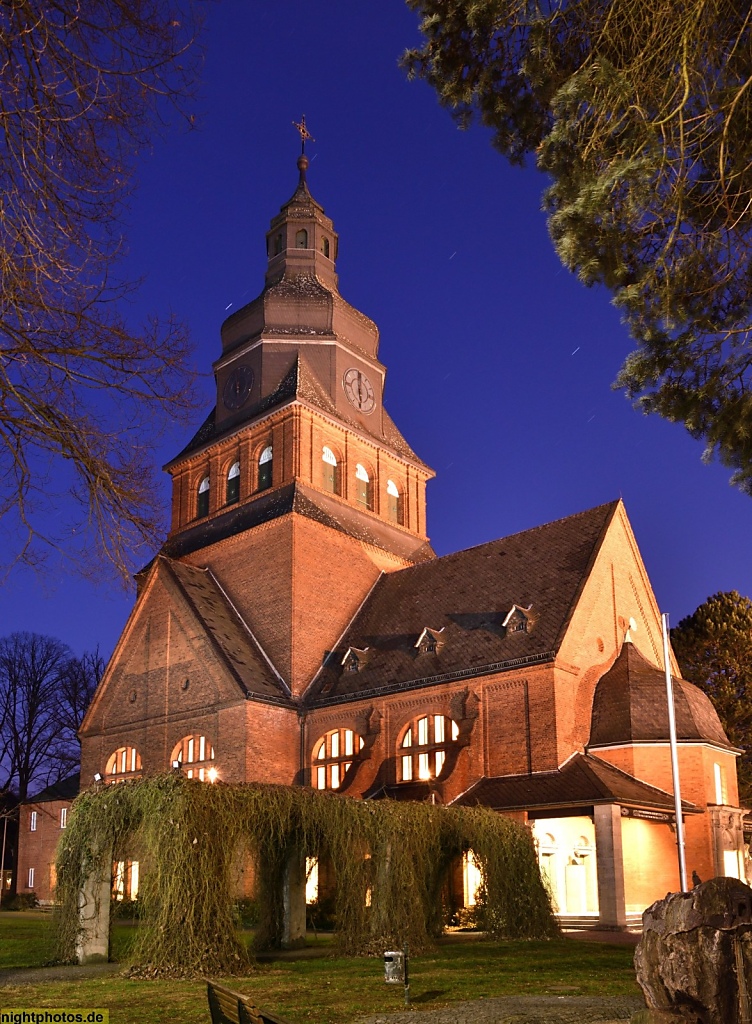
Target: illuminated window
312, 879
33, 822
63, 817
124, 764
233, 484
424, 746
195, 756
394, 503
363, 487
330, 474
266, 462
719, 778
472, 878
333, 755
125, 879
202, 502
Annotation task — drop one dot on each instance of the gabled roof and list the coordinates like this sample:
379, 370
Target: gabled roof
468, 594
63, 789
231, 637
630, 705
583, 780
299, 382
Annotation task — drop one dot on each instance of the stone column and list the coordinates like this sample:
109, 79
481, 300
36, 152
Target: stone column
293, 901
93, 939
610, 862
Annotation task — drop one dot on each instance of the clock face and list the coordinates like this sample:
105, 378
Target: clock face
238, 387
359, 390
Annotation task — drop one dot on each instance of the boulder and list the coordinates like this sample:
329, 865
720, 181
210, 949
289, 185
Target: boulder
694, 961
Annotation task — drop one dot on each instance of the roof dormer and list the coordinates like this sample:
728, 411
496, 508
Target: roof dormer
354, 659
430, 641
518, 620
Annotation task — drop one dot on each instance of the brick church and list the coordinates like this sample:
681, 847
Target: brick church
297, 628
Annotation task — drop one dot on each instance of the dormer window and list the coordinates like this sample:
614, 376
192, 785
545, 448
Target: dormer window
517, 620
233, 484
202, 502
430, 641
363, 487
354, 659
330, 471
301, 239
266, 462
325, 247
393, 503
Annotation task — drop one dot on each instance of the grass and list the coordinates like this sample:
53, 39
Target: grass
325, 988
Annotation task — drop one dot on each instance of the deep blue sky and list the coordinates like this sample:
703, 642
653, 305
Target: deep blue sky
500, 363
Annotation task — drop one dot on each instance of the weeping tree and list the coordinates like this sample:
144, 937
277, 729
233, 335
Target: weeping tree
391, 860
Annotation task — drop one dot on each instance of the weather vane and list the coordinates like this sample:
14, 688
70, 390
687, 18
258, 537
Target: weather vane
305, 135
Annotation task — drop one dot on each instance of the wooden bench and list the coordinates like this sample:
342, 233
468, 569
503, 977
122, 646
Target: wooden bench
228, 1007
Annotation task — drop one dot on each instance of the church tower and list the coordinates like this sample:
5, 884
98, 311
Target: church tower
298, 491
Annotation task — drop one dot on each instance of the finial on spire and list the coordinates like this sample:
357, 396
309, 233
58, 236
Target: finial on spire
305, 135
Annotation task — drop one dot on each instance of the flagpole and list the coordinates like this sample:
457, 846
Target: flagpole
674, 758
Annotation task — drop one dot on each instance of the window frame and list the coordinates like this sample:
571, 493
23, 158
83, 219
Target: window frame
341, 748
203, 496
423, 746
33, 821
265, 468
232, 484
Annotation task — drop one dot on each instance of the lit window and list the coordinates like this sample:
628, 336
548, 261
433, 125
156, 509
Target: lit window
124, 764
30, 884
266, 461
719, 778
393, 503
472, 878
202, 503
63, 817
330, 475
125, 878
333, 755
195, 755
233, 484
312, 879
424, 746
301, 239
33, 822
363, 487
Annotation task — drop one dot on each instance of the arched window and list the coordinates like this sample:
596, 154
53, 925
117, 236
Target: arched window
233, 484
202, 503
325, 247
195, 754
330, 477
278, 245
394, 502
266, 461
124, 764
424, 745
332, 756
301, 239
363, 487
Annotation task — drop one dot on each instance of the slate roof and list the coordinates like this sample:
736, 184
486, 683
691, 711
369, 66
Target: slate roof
231, 637
63, 789
630, 705
299, 382
469, 594
583, 780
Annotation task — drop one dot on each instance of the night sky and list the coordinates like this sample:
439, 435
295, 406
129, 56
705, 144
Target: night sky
499, 362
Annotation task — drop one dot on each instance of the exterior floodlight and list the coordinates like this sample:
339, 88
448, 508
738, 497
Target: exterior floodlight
212, 774
97, 777
176, 766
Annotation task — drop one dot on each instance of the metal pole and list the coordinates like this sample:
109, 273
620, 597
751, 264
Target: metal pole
674, 758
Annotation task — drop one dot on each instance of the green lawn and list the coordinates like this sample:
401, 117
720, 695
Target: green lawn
328, 989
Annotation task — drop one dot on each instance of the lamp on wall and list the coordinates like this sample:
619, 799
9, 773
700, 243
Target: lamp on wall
176, 766
98, 777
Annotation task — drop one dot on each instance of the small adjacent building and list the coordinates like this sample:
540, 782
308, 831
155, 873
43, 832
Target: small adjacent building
297, 627
41, 822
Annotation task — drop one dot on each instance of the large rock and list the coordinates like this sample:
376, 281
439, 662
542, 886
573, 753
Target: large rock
694, 962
